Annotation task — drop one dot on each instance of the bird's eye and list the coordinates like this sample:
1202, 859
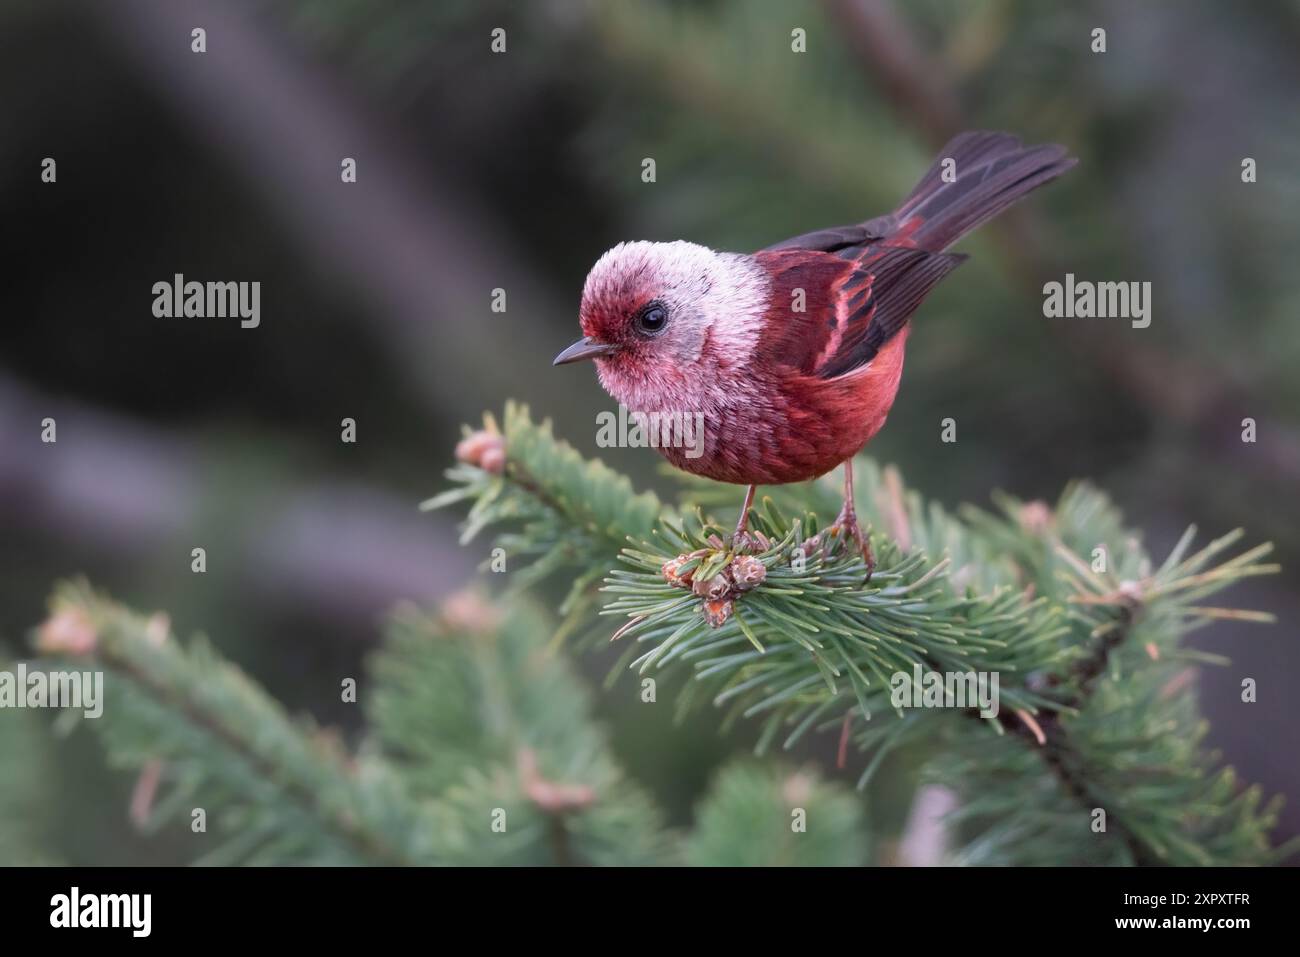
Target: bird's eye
652, 319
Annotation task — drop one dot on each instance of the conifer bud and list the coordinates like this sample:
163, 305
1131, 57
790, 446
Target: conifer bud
747, 572
1036, 517
68, 631
713, 588
468, 611
717, 611
673, 574
551, 796
483, 449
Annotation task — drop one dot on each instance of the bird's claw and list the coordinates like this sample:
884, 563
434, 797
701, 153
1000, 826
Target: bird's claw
846, 527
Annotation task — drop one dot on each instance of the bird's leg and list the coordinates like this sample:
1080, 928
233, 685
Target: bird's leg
846, 524
741, 540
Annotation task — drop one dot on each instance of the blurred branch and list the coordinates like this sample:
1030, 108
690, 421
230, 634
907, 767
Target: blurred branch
481, 749
916, 84
418, 248
925, 836
128, 492
227, 739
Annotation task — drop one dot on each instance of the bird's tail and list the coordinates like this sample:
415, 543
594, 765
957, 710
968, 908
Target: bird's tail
975, 177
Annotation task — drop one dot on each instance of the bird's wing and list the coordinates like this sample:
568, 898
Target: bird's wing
846, 240
851, 307
989, 172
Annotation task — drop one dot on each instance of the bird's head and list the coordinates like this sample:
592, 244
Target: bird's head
660, 318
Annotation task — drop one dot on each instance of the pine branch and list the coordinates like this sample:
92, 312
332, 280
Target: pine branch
789, 636
284, 792
1129, 678
567, 510
23, 834
473, 687
481, 747
757, 817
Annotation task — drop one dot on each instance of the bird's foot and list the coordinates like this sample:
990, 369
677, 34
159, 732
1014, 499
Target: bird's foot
745, 542
845, 528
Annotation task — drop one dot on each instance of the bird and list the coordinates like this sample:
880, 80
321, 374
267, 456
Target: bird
791, 356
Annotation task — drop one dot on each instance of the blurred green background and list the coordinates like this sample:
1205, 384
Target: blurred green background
479, 171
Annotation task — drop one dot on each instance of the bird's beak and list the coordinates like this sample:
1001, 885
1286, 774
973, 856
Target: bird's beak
584, 348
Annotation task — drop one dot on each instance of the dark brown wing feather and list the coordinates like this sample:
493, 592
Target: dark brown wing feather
851, 307
887, 265
883, 292
992, 171
837, 238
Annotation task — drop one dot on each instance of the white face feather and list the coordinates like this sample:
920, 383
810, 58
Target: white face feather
705, 291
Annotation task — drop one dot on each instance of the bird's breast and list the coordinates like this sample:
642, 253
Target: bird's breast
785, 426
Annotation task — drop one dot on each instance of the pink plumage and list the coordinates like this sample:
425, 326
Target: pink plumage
792, 356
